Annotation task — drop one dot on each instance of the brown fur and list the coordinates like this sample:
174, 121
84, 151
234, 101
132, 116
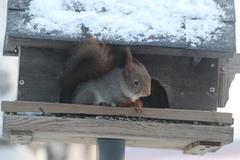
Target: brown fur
113, 73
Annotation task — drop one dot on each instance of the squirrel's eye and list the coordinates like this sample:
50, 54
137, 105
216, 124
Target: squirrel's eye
136, 83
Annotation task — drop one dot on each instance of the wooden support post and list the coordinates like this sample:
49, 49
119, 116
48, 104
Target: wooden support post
224, 84
109, 149
227, 70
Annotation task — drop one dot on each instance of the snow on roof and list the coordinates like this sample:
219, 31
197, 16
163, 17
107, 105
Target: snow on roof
128, 20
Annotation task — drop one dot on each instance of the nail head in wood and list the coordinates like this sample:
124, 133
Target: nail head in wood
15, 50
21, 82
224, 68
17, 4
213, 65
212, 89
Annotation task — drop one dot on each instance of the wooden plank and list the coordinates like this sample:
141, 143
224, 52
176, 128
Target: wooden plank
164, 144
224, 83
227, 70
39, 74
135, 49
167, 114
31, 42
117, 129
230, 65
150, 50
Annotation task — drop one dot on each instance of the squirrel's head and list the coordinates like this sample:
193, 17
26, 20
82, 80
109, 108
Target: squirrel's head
137, 77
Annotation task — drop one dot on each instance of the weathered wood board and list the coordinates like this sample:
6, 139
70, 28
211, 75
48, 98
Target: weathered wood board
187, 86
137, 134
230, 65
168, 114
39, 76
177, 131
227, 70
116, 129
225, 43
224, 84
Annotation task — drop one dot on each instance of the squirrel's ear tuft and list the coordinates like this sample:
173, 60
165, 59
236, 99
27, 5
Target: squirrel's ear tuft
130, 63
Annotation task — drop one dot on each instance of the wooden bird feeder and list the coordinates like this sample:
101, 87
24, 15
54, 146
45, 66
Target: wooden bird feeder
189, 83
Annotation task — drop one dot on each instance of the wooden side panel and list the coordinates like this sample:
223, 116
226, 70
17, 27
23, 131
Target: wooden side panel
227, 70
230, 66
224, 83
164, 114
39, 76
187, 86
138, 49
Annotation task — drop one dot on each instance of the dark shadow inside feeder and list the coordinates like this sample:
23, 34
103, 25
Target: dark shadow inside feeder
158, 97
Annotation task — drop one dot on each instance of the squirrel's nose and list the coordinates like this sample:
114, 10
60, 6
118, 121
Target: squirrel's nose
146, 92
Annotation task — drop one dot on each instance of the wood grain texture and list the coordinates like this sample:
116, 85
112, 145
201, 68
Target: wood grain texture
224, 84
167, 114
231, 66
92, 128
39, 73
187, 86
157, 143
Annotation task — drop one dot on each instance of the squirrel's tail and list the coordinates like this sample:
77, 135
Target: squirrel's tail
88, 59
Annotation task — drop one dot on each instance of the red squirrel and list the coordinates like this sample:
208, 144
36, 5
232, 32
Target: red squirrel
106, 75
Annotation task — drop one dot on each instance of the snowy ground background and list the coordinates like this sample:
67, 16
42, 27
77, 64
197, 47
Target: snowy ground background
9, 66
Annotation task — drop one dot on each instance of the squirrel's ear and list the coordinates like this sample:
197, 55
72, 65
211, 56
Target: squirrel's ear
130, 64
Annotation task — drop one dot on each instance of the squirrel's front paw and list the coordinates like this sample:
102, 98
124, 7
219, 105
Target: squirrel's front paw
137, 106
